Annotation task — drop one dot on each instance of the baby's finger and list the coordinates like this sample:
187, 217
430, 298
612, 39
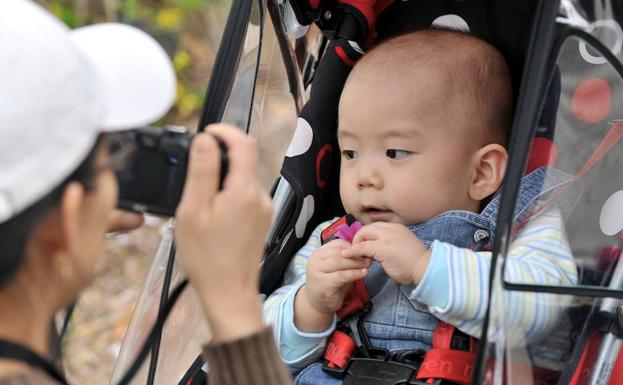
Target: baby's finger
343, 277
337, 243
337, 264
332, 249
362, 249
367, 233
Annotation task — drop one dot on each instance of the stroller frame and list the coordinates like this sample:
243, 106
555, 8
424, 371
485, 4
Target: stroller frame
536, 77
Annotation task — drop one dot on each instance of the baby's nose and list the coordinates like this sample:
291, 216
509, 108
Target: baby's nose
369, 177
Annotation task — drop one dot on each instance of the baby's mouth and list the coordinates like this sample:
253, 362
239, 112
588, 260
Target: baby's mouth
376, 213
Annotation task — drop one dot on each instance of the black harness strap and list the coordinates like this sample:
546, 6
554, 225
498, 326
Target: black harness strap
17, 352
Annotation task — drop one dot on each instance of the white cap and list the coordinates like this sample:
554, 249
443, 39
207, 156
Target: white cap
60, 88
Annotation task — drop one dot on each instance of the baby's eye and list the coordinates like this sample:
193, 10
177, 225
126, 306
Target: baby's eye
397, 154
349, 154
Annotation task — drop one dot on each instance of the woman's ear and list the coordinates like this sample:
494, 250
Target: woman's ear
70, 211
489, 168
59, 227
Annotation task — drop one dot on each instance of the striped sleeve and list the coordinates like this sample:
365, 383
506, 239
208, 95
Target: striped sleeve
297, 348
539, 254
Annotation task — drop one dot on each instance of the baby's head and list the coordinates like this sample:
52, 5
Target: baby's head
423, 122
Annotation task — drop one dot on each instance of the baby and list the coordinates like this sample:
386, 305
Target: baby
423, 123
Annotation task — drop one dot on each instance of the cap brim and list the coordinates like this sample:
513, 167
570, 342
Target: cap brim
137, 78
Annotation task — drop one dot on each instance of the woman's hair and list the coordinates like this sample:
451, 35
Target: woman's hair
15, 232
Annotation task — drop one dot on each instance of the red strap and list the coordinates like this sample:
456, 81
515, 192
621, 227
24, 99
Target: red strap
339, 350
341, 346
330, 231
443, 363
447, 364
355, 300
357, 296
543, 152
442, 337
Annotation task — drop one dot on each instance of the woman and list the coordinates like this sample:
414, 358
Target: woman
60, 91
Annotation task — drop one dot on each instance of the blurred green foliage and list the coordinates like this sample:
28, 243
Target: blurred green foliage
163, 13
167, 20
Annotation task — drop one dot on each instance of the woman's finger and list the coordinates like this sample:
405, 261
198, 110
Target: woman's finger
202, 177
241, 155
125, 221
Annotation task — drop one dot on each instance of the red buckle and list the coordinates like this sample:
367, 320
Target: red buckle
447, 364
443, 363
339, 350
330, 231
328, 234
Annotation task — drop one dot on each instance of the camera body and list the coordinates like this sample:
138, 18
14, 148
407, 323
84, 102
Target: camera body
153, 179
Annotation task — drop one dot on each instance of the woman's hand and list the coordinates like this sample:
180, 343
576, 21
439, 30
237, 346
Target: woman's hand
221, 235
121, 220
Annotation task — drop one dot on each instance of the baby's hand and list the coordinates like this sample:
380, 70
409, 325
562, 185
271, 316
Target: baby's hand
329, 275
403, 256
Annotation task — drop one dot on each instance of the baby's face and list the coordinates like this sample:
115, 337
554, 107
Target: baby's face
404, 155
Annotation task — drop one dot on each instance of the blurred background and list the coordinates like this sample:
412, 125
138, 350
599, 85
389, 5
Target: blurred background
190, 31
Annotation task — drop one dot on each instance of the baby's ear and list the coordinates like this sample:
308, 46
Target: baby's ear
488, 173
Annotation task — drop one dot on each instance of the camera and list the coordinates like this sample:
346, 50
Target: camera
153, 176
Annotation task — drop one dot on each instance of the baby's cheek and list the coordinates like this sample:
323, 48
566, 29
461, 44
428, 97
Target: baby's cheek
408, 206
347, 202
421, 206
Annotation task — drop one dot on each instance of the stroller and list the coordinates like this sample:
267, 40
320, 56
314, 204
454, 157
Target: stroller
565, 60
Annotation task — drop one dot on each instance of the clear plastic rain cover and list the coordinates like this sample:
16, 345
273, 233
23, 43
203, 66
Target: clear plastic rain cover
547, 322
262, 103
